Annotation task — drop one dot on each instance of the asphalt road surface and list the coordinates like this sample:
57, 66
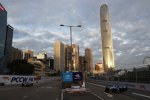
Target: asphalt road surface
49, 90
131, 94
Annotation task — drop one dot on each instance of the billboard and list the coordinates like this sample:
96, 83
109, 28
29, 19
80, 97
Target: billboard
77, 76
67, 77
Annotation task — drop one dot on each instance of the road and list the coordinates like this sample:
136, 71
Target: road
131, 94
50, 90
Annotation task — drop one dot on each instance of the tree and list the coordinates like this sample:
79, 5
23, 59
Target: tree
21, 67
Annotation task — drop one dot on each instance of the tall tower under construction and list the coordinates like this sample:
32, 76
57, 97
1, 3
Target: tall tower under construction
106, 36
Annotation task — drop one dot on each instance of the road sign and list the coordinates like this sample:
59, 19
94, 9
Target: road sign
77, 76
67, 77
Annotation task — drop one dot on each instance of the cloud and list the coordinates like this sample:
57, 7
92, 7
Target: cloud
36, 26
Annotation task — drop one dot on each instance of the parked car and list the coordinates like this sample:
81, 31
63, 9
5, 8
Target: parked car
116, 88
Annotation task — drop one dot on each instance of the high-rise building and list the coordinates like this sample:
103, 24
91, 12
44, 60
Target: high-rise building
88, 59
3, 23
82, 63
107, 45
67, 57
8, 43
8, 39
75, 57
59, 56
72, 59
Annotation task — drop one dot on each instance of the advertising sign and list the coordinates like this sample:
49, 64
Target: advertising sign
77, 76
16, 79
67, 77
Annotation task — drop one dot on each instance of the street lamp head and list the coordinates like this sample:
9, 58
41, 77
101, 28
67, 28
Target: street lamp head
79, 25
61, 25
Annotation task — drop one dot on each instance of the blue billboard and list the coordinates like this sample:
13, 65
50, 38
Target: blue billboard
67, 77
77, 76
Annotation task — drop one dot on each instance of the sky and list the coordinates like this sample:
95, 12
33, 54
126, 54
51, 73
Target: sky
37, 26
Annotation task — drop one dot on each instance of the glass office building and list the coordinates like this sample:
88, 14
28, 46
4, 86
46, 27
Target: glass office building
3, 23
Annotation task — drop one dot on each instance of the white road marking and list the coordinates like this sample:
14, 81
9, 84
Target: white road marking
48, 87
97, 96
62, 95
25, 96
109, 95
96, 85
9, 88
141, 95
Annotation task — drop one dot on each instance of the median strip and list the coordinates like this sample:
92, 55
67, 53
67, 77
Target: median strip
141, 95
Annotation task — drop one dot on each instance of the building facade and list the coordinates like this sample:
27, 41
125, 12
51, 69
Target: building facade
16, 54
72, 57
88, 59
106, 35
3, 23
82, 63
59, 56
39, 66
42, 56
27, 54
99, 68
75, 57
8, 43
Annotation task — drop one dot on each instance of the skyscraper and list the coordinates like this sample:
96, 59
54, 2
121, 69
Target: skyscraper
3, 23
8, 39
107, 45
59, 56
67, 57
73, 63
75, 57
88, 59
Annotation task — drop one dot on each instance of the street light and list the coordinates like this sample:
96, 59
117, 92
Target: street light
70, 26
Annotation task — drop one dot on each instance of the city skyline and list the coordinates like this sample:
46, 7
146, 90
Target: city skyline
130, 28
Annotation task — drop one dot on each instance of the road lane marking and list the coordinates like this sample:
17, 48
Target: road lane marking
96, 84
108, 94
49, 87
25, 96
97, 96
46, 87
141, 95
62, 95
9, 88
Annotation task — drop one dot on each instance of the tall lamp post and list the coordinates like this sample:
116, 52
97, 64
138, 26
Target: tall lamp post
70, 26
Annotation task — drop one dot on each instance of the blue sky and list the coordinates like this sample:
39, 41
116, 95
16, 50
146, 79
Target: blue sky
36, 26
